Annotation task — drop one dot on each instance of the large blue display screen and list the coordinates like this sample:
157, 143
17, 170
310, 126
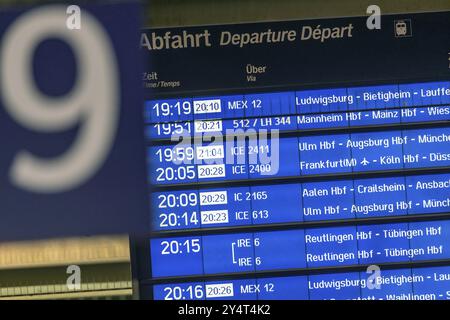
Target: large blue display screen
309, 178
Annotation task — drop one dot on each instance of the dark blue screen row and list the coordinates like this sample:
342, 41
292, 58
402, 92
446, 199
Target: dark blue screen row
311, 201
298, 102
432, 283
167, 130
293, 249
298, 156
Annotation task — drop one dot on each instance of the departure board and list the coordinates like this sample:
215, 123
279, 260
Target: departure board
298, 160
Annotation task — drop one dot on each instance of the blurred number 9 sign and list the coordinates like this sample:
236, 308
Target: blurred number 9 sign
93, 103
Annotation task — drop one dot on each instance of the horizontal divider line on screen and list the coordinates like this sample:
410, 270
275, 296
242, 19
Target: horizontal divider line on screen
304, 114
299, 225
304, 178
259, 89
325, 131
294, 272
